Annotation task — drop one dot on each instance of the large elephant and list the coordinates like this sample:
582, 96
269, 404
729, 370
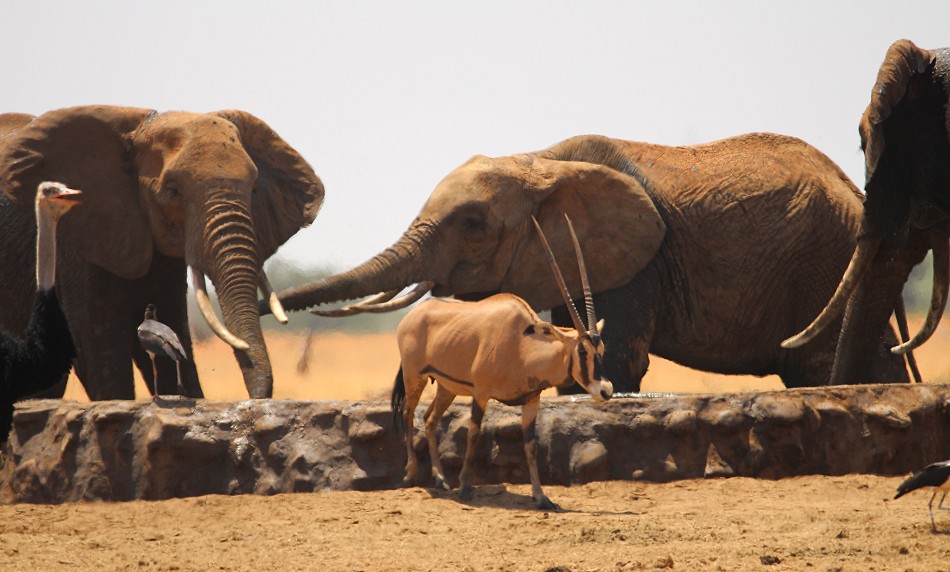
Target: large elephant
216, 192
707, 255
905, 135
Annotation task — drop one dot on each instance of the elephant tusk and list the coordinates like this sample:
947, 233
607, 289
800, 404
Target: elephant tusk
204, 305
418, 291
378, 298
272, 300
860, 262
380, 303
352, 309
938, 298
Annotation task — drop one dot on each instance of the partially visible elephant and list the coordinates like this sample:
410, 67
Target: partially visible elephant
905, 135
707, 255
217, 192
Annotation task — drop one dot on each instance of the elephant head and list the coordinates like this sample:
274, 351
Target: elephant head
904, 135
474, 235
219, 190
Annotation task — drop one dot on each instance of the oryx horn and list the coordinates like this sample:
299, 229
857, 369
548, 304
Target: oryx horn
588, 297
559, 278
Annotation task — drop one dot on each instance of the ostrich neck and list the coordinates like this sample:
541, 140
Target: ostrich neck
45, 249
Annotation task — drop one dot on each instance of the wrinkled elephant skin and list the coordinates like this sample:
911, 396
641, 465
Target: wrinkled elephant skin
217, 192
708, 255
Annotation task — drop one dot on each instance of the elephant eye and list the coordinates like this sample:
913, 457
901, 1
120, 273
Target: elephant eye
171, 190
472, 223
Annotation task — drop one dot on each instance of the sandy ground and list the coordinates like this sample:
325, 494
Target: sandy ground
806, 523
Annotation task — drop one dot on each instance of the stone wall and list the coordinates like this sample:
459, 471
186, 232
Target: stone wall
121, 450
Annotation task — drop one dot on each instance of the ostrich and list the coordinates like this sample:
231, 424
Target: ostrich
158, 339
45, 354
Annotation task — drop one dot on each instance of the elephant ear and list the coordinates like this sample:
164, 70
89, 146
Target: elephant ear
903, 61
287, 194
617, 225
85, 148
10, 122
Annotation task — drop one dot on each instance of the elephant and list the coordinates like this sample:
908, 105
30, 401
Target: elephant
215, 193
708, 255
904, 135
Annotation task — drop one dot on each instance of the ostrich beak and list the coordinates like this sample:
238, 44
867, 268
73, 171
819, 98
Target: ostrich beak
68, 197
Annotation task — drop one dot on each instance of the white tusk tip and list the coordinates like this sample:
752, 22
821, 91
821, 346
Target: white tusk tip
792, 343
277, 309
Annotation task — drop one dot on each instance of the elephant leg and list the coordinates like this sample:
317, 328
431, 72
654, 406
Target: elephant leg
100, 310
629, 314
105, 368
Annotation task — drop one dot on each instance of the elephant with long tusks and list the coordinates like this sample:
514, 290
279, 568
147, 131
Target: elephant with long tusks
905, 135
708, 255
215, 193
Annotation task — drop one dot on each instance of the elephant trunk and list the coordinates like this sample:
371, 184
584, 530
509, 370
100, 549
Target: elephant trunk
869, 309
395, 268
234, 265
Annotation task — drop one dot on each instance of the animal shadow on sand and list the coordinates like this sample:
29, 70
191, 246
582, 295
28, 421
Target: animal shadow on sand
498, 496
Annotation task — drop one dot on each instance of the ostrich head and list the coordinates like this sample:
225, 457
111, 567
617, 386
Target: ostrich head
55, 199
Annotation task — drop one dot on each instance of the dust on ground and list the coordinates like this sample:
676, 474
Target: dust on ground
805, 523
802, 523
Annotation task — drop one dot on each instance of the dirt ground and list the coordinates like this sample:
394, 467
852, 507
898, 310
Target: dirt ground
805, 523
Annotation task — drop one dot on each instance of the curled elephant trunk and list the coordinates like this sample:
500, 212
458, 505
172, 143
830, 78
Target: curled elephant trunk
235, 269
388, 272
860, 262
938, 298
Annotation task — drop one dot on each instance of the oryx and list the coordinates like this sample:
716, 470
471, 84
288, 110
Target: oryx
496, 348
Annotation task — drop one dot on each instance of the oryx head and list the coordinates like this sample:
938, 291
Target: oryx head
587, 357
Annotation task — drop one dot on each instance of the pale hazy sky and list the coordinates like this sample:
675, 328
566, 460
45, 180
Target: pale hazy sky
385, 98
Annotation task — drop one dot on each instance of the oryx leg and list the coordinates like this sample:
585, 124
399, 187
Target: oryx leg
529, 415
443, 398
414, 388
466, 491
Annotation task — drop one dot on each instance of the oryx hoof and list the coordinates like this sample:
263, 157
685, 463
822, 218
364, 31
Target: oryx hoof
441, 484
544, 503
467, 493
